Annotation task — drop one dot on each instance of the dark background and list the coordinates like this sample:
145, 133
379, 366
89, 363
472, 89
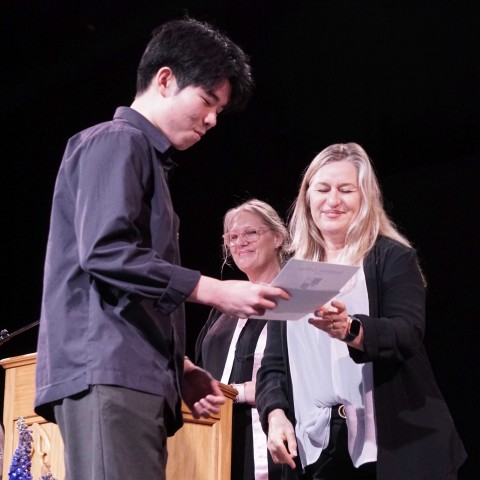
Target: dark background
400, 78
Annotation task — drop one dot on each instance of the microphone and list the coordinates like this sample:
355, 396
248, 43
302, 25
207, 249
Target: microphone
5, 336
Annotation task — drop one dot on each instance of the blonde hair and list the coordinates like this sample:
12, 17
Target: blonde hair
268, 216
371, 221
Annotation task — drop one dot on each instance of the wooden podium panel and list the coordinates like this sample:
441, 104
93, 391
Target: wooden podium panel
200, 450
47, 451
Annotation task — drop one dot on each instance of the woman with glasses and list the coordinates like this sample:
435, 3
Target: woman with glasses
230, 348
347, 392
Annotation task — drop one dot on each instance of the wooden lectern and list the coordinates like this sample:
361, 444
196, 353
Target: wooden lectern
201, 450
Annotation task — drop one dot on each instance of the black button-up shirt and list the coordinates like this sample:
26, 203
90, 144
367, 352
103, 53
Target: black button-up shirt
112, 308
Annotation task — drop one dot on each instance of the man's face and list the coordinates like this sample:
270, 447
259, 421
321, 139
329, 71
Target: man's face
191, 112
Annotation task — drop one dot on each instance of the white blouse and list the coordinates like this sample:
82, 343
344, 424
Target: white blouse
323, 375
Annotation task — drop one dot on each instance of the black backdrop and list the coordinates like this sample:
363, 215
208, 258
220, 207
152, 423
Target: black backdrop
400, 78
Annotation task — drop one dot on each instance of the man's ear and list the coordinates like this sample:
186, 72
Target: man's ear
165, 81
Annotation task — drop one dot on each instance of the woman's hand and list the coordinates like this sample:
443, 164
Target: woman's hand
282, 442
250, 392
333, 319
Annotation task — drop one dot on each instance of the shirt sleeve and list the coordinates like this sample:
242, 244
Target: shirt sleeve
113, 194
271, 387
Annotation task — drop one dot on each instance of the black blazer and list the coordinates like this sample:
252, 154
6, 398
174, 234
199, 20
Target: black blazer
211, 352
416, 437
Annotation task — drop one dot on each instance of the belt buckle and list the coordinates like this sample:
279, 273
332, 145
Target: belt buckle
341, 411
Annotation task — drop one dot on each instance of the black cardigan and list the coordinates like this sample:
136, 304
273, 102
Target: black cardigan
416, 437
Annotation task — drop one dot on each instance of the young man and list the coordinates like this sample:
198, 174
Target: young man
111, 369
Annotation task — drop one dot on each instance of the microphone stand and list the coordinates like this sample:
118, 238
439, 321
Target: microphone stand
5, 336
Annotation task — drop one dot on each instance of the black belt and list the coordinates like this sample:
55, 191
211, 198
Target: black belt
338, 412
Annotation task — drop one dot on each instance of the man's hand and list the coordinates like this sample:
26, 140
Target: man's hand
200, 391
237, 297
282, 442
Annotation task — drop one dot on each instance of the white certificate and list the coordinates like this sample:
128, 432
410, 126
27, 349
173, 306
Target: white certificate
310, 285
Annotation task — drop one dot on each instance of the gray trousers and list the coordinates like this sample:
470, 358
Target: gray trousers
113, 433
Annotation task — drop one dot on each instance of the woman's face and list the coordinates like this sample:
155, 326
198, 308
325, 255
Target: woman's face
255, 255
335, 199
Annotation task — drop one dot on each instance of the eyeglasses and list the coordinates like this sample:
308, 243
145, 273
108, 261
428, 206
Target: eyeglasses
249, 235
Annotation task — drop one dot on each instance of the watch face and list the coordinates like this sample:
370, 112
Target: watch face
355, 327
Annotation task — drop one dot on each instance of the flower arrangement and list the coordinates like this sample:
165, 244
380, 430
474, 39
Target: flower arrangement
21, 461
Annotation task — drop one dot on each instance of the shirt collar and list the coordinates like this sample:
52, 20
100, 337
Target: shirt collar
158, 139
168, 163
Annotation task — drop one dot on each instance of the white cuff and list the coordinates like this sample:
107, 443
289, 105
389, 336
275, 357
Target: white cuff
240, 387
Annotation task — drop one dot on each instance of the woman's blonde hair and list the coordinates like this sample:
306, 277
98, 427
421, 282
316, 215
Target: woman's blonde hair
371, 221
268, 216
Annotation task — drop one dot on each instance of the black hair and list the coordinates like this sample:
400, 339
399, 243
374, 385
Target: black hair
198, 55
